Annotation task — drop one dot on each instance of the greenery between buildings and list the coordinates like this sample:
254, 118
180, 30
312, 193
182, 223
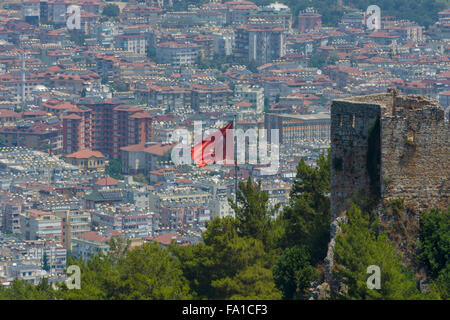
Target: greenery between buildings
114, 169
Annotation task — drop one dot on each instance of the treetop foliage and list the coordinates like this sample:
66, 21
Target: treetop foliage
265, 252
359, 246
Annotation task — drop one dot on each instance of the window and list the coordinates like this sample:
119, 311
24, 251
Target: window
340, 120
352, 120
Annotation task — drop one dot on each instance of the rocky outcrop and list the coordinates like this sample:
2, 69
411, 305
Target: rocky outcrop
329, 259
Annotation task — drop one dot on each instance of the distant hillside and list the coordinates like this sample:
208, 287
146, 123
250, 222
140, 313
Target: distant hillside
424, 12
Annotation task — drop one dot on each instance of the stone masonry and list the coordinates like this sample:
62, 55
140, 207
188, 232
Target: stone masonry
390, 146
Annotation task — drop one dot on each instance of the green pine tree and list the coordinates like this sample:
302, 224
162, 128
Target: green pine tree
359, 246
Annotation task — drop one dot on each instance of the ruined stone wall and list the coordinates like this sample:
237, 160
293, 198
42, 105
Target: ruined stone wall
404, 154
414, 143
350, 125
415, 158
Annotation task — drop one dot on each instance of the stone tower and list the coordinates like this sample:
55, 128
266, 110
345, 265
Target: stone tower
391, 146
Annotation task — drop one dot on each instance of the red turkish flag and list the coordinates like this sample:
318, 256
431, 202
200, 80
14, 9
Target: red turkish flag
204, 153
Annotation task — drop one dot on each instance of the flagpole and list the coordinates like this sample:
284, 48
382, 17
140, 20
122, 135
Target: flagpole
235, 160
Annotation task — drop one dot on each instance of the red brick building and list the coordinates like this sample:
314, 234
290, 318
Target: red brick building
77, 130
105, 127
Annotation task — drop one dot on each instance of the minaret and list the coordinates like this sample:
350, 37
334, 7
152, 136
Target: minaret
22, 80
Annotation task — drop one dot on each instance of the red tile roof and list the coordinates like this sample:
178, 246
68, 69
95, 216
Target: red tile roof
93, 236
85, 154
108, 181
157, 149
165, 239
72, 116
5, 113
115, 233
141, 115
243, 104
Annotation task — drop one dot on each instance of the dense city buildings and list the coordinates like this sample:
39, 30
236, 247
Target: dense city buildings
97, 120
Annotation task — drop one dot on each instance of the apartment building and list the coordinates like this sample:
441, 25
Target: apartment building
37, 135
177, 54
143, 158
31, 11
141, 14
259, 43
252, 94
57, 9
295, 127
203, 95
105, 127
178, 195
170, 97
87, 244
136, 43
37, 224
276, 14
77, 129
177, 217
74, 222
131, 223
11, 210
